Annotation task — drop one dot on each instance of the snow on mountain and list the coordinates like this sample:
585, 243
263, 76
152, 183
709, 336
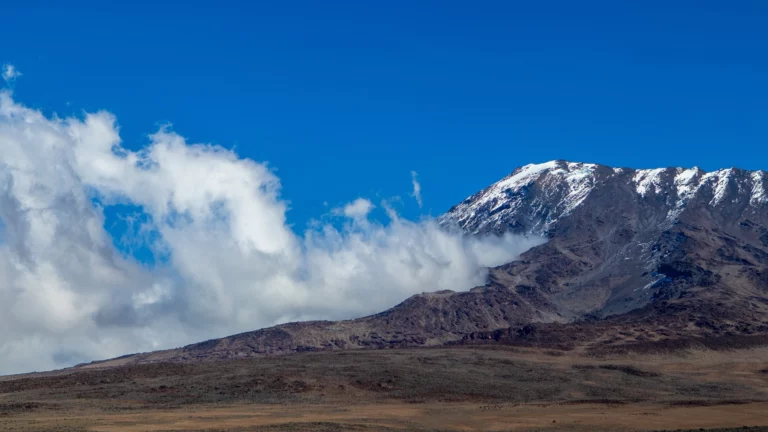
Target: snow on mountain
648, 180
759, 195
561, 188
537, 196
686, 184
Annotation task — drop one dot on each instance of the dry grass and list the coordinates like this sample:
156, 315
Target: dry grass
401, 417
409, 389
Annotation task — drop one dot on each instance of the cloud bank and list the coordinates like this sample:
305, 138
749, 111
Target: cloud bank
226, 259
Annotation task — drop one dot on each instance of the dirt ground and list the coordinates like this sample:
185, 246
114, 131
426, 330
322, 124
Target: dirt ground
404, 417
456, 389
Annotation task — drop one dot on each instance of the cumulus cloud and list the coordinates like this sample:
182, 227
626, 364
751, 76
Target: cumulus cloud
416, 194
228, 259
10, 73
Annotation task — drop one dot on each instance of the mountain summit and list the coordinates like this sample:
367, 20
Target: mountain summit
535, 197
622, 238
633, 256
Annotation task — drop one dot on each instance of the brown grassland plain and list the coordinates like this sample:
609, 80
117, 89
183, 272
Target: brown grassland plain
487, 388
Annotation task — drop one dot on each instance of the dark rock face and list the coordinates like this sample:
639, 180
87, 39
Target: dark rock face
674, 250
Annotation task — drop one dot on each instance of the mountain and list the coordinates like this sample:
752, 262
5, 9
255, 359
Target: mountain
621, 238
632, 257
536, 197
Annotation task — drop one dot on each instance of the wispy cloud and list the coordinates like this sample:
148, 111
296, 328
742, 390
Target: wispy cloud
416, 194
10, 73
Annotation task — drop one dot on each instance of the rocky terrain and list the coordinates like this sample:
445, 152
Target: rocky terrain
633, 257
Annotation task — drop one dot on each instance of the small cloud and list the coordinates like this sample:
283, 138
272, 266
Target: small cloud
10, 73
391, 212
357, 209
416, 194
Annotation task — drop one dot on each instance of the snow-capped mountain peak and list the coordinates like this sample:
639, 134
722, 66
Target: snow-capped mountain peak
535, 197
561, 187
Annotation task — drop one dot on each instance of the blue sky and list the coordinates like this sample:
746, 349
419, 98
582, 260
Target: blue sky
344, 99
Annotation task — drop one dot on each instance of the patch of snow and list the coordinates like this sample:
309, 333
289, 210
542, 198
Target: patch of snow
686, 181
524, 175
686, 185
647, 180
580, 181
758, 195
721, 179
505, 197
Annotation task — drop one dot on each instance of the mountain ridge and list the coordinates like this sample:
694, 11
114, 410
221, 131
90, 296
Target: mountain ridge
674, 252
502, 198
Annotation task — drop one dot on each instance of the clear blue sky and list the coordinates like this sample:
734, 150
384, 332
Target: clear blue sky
344, 99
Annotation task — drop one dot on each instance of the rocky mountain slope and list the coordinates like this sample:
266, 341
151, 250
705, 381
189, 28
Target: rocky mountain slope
620, 238
633, 255
536, 197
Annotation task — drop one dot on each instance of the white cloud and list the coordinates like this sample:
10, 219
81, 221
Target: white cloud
416, 194
10, 73
232, 262
357, 210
